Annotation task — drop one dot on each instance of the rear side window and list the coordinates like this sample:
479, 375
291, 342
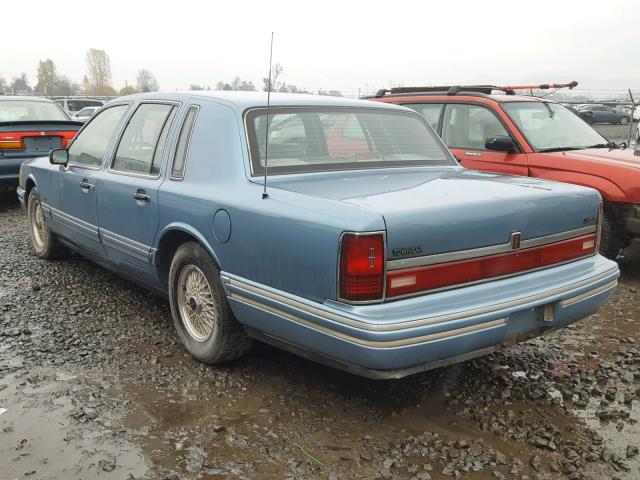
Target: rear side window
182, 150
90, 146
468, 126
430, 111
141, 140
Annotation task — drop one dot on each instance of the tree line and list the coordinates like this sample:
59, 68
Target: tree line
98, 81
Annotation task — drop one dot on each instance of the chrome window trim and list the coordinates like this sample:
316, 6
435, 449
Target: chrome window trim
88, 167
186, 152
384, 268
448, 154
405, 324
148, 176
486, 251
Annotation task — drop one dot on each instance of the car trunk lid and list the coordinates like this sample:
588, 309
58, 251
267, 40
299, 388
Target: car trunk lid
35, 138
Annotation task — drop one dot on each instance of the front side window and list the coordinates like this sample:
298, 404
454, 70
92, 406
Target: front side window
325, 138
139, 145
29, 111
91, 144
550, 126
430, 111
469, 126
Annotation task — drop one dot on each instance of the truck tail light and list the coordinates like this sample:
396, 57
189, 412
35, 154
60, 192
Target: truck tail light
361, 267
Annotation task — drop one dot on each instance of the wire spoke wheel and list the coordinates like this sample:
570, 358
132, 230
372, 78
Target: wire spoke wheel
197, 303
38, 224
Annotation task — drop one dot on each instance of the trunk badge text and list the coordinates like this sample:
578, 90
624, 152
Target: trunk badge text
397, 252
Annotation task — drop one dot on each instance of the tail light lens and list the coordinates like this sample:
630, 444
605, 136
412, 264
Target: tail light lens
10, 142
361, 274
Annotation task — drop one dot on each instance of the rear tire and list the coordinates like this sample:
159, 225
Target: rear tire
45, 242
610, 243
201, 313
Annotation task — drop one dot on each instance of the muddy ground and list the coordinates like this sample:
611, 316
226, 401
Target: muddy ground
95, 384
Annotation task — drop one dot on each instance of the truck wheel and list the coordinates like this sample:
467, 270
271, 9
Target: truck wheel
45, 243
610, 243
200, 310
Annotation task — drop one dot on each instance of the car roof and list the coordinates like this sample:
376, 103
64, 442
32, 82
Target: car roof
242, 100
25, 97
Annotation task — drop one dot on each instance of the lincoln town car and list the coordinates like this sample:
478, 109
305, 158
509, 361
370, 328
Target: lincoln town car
341, 230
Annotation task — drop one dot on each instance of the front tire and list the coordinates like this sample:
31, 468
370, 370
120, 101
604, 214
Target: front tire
610, 243
45, 242
201, 313
624, 120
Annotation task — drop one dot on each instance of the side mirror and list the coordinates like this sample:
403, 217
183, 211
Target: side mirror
59, 156
500, 144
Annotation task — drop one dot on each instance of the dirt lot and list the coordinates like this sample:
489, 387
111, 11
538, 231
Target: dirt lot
96, 385
617, 133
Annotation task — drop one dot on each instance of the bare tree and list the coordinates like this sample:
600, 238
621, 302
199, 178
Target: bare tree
99, 72
147, 81
276, 71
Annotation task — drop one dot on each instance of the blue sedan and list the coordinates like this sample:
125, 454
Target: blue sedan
341, 230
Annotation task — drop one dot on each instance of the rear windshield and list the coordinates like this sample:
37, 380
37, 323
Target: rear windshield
316, 139
28, 110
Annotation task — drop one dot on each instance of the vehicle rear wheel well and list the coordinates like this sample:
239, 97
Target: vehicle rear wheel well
167, 248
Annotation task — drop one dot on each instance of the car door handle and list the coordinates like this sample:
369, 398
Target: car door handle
84, 185
141, 197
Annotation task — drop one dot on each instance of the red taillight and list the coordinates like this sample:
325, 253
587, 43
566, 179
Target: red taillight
418, 279
362, 267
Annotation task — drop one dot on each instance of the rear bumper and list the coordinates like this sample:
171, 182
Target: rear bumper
401, 337
10, 168
21, 195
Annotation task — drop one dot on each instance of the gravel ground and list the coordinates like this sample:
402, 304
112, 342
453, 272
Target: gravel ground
617, 133
96, 385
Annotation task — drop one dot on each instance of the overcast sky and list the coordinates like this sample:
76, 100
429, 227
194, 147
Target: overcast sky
334, 44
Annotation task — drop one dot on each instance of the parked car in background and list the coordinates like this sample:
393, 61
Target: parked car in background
85, 114
30, 127
73, 105
604, 114
534, 137
373, 251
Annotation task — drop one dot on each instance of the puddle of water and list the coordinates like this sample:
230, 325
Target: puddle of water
616, 440
38, 439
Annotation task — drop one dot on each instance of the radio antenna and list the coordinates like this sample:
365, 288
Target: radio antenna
265, 195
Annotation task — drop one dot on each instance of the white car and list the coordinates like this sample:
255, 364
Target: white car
85, 114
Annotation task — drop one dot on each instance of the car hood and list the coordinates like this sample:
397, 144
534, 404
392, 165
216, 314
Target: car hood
451, 209
622, 158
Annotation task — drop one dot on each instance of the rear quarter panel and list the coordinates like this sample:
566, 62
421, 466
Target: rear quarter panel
288, 241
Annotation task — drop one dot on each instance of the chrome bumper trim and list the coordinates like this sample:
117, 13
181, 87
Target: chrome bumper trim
401, 325
590, 293
373, 343
485, 251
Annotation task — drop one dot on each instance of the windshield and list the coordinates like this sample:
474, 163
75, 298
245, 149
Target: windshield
28, 110
549, 126
315, 139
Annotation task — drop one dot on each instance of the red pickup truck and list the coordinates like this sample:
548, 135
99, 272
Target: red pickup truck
535, 137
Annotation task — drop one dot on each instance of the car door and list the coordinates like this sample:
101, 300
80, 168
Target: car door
75, 211
128, 197
466, 127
